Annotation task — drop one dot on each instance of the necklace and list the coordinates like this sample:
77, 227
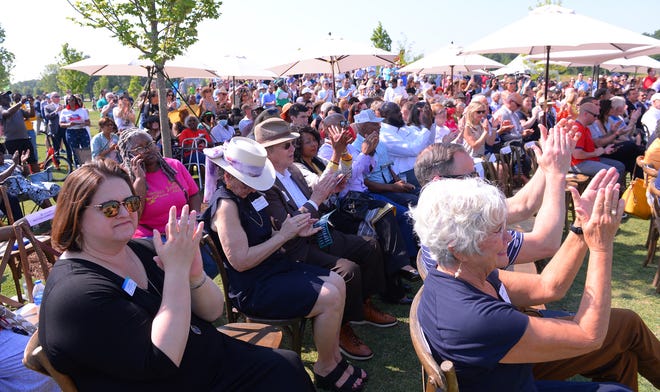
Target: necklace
260, 223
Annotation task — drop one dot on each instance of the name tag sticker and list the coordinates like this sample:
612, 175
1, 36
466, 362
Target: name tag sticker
260, 203
129, 286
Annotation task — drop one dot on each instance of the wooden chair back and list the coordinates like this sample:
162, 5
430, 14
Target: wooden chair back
295, 327
434, 377
5, 202
35, 358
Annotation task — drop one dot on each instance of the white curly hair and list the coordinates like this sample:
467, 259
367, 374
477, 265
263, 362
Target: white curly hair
457, 214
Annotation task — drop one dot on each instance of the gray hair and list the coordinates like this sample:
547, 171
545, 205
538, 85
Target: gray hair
436, 160
617, 102
457, 213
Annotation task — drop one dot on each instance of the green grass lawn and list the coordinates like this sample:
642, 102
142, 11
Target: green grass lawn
395, 366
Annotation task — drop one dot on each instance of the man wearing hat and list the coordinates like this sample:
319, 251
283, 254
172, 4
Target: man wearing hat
305, 95
651, 118
356, 259
13, 119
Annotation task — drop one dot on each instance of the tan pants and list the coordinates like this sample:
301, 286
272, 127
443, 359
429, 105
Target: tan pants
629, 348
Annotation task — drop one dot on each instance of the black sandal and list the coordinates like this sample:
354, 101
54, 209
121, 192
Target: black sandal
328, 382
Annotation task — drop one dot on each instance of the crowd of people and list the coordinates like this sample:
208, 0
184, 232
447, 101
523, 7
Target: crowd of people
320, 198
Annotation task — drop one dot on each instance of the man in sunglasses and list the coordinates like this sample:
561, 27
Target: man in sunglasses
358, 260
587, 158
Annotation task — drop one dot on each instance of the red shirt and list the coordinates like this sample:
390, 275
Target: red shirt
193, 133
648, 81
585, 143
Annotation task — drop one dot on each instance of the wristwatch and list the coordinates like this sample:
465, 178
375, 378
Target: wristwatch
576, 230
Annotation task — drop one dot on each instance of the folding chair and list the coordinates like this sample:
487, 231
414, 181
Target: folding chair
192, 158
434, 377
295, 327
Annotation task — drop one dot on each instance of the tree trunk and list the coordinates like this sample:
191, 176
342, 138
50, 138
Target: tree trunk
165, 132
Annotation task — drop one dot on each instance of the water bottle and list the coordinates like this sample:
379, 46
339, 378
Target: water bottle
38, 292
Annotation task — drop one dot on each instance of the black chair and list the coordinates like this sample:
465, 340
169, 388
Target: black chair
294, 327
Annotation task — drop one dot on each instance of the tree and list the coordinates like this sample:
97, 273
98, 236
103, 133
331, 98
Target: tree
135, 87
404, 49
541, 3
380, 38
101, 83
48, 81
159, 29
67, 79
655, 35
6, 62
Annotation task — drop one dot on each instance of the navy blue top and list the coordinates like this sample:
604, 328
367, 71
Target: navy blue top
475, 331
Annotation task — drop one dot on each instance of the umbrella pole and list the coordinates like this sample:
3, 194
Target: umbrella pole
451, 79
334, 88
233, 83
547, 82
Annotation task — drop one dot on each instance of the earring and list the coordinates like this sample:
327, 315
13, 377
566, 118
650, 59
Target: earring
458, 271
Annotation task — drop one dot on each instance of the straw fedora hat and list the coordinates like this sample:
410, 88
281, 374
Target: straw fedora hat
273, 131
246, 160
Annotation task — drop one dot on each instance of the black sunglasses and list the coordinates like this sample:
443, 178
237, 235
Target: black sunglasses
461, 176
110, 208
287, 145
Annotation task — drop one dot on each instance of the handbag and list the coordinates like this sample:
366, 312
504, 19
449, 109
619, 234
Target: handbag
352, 209
635, 199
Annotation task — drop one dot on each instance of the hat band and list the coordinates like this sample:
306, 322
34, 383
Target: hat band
243, 168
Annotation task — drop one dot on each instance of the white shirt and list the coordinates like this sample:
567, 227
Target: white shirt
298, 197
404, 144
650, 120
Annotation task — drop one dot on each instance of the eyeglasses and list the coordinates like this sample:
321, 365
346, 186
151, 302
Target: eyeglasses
593, 114
480, 111
343, 124
462, 176
142, 149
287, 145
110, 208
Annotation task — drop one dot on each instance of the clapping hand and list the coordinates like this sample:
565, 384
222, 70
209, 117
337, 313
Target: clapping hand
584, 203
298, 225
180, 251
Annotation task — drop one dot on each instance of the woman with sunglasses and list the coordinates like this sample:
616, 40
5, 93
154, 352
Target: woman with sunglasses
476, 133
160, 182
135, 315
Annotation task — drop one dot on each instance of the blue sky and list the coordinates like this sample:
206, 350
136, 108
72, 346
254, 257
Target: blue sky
264, 30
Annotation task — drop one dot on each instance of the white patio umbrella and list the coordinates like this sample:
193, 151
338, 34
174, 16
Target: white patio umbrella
631, 64
332, 55
517, 65
449, 59
236, 66
570, 31
181, 67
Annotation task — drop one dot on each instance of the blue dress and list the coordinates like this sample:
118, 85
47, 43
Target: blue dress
277, 287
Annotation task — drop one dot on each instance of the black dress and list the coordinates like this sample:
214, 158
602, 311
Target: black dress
100, 335
277, 287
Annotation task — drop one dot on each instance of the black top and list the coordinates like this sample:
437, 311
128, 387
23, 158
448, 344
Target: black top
100, 335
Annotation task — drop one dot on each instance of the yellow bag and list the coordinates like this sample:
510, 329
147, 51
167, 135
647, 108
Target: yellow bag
635, 199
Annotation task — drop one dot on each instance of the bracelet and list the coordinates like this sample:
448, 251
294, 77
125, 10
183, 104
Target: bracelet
200, 284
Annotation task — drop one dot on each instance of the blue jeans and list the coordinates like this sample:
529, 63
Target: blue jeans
78, 139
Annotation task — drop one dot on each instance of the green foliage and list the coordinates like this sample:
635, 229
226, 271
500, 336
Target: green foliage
405, 51
380, 38
159, 29
655, 35
48, 82
541, 3
6, 62
101, 83
75, 81
135, 87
